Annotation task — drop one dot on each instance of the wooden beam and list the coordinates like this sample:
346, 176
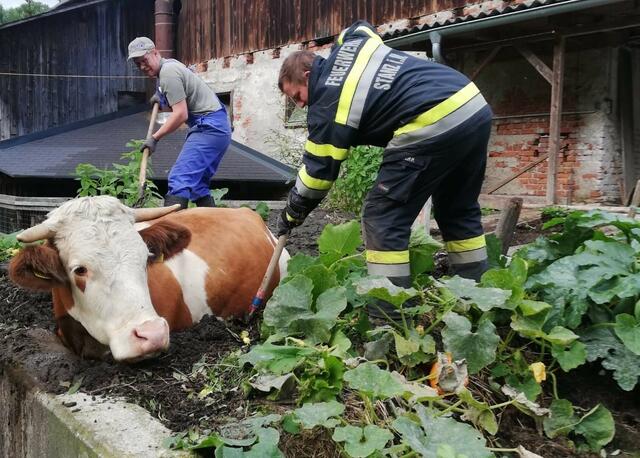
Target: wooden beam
483, 64
515, 175
556, 118
507, 224
635, 201
537, 63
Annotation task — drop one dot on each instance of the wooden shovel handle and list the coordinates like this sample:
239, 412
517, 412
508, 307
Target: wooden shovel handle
145, 154
262, 292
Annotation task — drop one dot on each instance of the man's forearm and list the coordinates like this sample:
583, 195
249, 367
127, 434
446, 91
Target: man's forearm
174, 121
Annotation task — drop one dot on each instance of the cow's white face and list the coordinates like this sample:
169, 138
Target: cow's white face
106, 262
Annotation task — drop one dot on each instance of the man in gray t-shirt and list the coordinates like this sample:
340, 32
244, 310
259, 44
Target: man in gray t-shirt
192, 101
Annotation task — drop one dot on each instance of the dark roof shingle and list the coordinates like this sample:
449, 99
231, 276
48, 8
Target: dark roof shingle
56, 153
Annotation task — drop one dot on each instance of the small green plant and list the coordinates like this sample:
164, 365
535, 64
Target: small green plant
121, 181
217, 195
8, 246
358, 173
553, 212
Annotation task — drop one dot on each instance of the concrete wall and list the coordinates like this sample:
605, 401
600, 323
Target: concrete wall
35, 424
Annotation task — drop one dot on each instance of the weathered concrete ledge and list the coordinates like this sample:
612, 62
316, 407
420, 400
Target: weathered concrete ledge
34, 423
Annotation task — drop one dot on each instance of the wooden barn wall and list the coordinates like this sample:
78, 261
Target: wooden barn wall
218, 28
91, 40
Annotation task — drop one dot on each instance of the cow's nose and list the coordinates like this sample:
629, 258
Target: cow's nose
153, 335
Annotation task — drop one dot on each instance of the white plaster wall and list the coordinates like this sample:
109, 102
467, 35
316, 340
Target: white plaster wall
258, 104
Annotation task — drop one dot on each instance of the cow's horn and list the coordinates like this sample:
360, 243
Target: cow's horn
35, 233
145, 214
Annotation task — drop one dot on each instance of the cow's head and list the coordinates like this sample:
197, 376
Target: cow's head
96, 258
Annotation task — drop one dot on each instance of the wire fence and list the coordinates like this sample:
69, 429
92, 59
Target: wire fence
18, 213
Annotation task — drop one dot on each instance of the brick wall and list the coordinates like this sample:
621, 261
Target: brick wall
587, 166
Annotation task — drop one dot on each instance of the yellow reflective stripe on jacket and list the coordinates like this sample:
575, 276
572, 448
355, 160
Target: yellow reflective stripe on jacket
311, 182
441, 110
351, 83
341, 36
361, 28
291, 218
387, 257
326, 150
458, 246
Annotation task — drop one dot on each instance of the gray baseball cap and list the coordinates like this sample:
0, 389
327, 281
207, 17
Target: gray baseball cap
140, 46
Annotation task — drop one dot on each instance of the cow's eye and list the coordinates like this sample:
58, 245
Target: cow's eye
80, 270
153, 257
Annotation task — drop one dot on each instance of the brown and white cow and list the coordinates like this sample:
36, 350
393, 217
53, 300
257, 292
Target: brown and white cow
124, 286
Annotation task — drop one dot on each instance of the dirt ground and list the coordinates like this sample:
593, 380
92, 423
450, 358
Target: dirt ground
160, 385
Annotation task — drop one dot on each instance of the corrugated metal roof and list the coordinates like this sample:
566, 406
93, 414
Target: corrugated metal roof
56, 153
469, 12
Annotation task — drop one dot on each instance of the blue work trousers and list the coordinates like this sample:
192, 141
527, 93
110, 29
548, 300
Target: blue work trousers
207, 140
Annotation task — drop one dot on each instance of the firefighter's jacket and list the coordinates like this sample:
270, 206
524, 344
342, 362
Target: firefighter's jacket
366, 93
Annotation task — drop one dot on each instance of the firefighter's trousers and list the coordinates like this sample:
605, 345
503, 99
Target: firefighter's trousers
450, 170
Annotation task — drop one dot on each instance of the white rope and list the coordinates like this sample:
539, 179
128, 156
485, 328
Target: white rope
45, 75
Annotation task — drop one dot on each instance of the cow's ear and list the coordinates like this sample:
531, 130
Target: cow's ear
37, 267
166, 238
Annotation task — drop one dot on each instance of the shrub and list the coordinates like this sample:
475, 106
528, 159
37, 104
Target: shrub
121, 181
358, 173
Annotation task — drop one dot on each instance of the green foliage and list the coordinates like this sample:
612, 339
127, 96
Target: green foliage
562, 301
8, 246
478, 348
263, 210
553, 212
357, 175
28, 9
428, 434
121, 181
595, 428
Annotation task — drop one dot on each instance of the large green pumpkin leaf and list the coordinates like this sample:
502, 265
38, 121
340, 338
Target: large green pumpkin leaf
343, 238
597, 427
277, 359
373, 381
602, 343
362, 442
319, 414
628, 330
478, 348
432, 433
484, 298
290, 301
561, 419
570, 358
291, 310
382, 288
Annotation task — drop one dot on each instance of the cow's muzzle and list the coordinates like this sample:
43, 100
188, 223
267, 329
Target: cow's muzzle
152, 336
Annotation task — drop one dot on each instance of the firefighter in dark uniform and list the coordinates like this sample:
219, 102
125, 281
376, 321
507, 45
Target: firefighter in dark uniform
435, 127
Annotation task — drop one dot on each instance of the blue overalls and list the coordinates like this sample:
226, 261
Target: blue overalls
206, 142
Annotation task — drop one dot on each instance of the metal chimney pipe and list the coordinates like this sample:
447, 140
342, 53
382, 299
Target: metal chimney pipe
164, 28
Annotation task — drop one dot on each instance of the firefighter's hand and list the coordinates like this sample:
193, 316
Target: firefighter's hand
286, 223
154, 99
149, 143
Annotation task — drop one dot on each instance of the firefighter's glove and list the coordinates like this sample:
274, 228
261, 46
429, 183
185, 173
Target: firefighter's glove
149, 143
286, 223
